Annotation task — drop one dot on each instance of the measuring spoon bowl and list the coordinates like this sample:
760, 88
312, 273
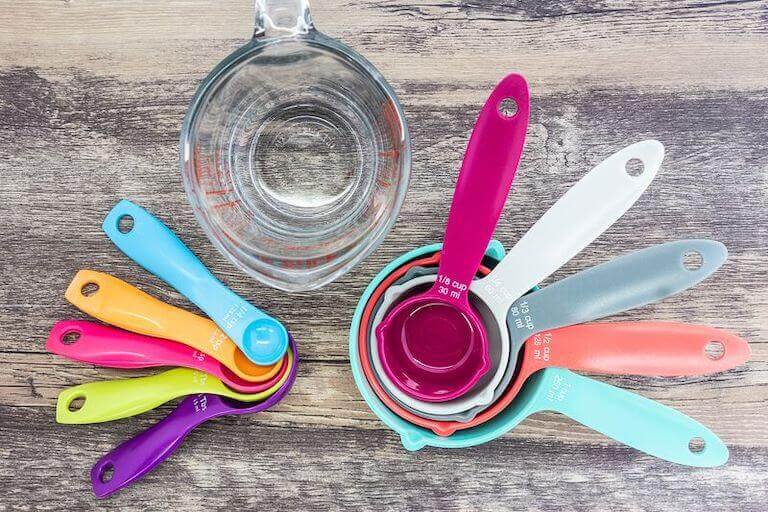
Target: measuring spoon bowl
115, 348
116, 302
110, 400
137, 456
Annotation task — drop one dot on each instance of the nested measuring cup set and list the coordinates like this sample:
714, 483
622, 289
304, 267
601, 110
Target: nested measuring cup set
454, 345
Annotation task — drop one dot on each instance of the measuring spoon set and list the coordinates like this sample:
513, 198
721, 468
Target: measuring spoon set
238, 361
454, 345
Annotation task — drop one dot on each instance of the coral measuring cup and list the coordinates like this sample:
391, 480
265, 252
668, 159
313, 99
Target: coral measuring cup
433, 346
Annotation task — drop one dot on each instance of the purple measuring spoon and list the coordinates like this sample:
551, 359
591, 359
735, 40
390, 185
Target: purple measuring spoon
433, 346
140, 454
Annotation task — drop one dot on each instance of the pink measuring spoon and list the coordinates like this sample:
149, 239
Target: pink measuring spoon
433, 346
115, 348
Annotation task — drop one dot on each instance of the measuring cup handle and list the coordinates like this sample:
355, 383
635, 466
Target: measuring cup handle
630, 281
664, 349
139, 455
276, 18
110, 347
487, 172
115, 399
581, 215
631, 419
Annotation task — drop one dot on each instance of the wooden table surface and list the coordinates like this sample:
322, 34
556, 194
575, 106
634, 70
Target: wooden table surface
92, 95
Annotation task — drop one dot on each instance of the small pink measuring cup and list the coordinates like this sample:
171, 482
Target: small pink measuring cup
433, 346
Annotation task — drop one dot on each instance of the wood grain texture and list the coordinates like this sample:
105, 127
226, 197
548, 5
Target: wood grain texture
92, 95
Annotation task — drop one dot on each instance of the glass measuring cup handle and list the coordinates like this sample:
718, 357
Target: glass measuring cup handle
282, 18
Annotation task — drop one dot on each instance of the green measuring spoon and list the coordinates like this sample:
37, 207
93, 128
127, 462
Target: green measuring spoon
110, 400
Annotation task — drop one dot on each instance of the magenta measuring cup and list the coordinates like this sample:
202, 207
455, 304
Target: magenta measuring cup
433, 346
139, 455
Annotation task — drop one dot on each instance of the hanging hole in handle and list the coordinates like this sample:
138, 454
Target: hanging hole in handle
76, 404
507, 108
715, 350
696, 445
125, 224
693, 260
107, 473
89, 289
634, 167
70, 337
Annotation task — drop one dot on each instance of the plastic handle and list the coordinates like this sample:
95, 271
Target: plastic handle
138, 455
487, 172
630, 281
631, 419
116, 302
152, 245
662, 349
573, 222
115, 399
106, 346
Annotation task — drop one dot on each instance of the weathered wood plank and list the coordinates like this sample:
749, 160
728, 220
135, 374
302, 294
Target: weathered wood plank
91, 99
317, 469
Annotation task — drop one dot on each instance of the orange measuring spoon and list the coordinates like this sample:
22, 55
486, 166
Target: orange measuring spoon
116, 302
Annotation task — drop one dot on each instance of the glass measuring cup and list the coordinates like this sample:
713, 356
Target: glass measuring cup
295, 153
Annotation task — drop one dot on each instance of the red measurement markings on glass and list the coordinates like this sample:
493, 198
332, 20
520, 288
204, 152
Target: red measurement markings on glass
392, 155
228, 204
449, 287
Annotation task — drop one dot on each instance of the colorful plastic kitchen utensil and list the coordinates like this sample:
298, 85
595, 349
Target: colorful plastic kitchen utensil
116, 302
604, 408
115, 348
661, 349
149, 242
433, 346
581, 215
627, 282
110, 400
137, 456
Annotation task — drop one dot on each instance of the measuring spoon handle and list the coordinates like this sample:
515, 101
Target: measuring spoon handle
630, 281
487, 172
137, 456
631, 419
662, 349
115, 399
116, 302
581, 215
151, 244
110, 347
